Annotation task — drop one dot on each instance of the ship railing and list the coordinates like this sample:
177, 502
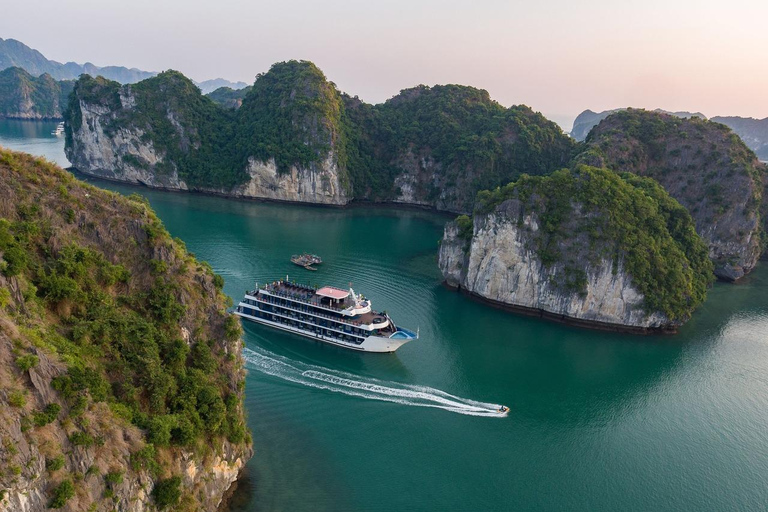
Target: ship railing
320, 315
359, 337
302, 298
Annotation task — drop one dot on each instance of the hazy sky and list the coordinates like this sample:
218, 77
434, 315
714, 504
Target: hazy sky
560, 57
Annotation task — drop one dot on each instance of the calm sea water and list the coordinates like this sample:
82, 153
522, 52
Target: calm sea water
599, 422
34, 137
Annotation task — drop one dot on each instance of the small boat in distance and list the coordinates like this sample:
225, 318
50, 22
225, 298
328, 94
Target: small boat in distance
330, 315
59, 129
503, 410
306, 260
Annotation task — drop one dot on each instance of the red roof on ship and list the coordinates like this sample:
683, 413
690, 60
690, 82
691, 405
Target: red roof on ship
333, 293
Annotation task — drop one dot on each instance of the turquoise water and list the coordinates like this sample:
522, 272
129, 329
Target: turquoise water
598, 421
34, 137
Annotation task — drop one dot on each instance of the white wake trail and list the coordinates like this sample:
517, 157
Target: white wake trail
372, 389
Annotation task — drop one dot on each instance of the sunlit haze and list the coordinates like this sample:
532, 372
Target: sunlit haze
560, 57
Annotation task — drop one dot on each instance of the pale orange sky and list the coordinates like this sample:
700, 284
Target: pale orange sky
558, 57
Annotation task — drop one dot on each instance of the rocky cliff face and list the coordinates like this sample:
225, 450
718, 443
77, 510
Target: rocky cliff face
499, 265
295, 137
101, 142
581, 246
23, 96
28, 450
703, 165
438, 146
317, 183
120, 371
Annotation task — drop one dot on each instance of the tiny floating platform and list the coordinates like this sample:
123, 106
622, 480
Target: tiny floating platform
306, 260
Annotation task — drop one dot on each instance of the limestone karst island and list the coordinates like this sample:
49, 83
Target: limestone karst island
345, 257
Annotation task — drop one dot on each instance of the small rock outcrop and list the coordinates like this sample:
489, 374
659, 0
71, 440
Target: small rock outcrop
582, 247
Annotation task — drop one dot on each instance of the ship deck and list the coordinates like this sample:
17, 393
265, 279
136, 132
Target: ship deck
308, 295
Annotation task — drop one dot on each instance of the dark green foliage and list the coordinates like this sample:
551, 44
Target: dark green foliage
232, 328
202, 148
78, 272
466, 226
17, 399
167, 492
26, 362
163, 302
61, 494
183, 433
145, 459
80, 379
47, 415
626, 218
55, 463
113, 478
228, 97
159, 430
202, 357
211, 408
235, 427
14, 257
291, 114
148, 365
81, 439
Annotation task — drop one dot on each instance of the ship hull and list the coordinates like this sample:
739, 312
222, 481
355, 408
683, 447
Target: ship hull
375, 344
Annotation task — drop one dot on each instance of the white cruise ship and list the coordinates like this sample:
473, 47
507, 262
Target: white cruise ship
331, 315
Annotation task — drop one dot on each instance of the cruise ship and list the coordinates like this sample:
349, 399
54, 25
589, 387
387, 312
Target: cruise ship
331, 315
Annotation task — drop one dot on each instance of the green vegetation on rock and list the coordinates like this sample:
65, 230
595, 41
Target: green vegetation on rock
167, 492
588, 215
62, 493
133, 330
294, 115
28, 97
703, 165
228, 97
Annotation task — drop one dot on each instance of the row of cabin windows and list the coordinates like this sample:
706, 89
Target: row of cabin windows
289, 311
305, 326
